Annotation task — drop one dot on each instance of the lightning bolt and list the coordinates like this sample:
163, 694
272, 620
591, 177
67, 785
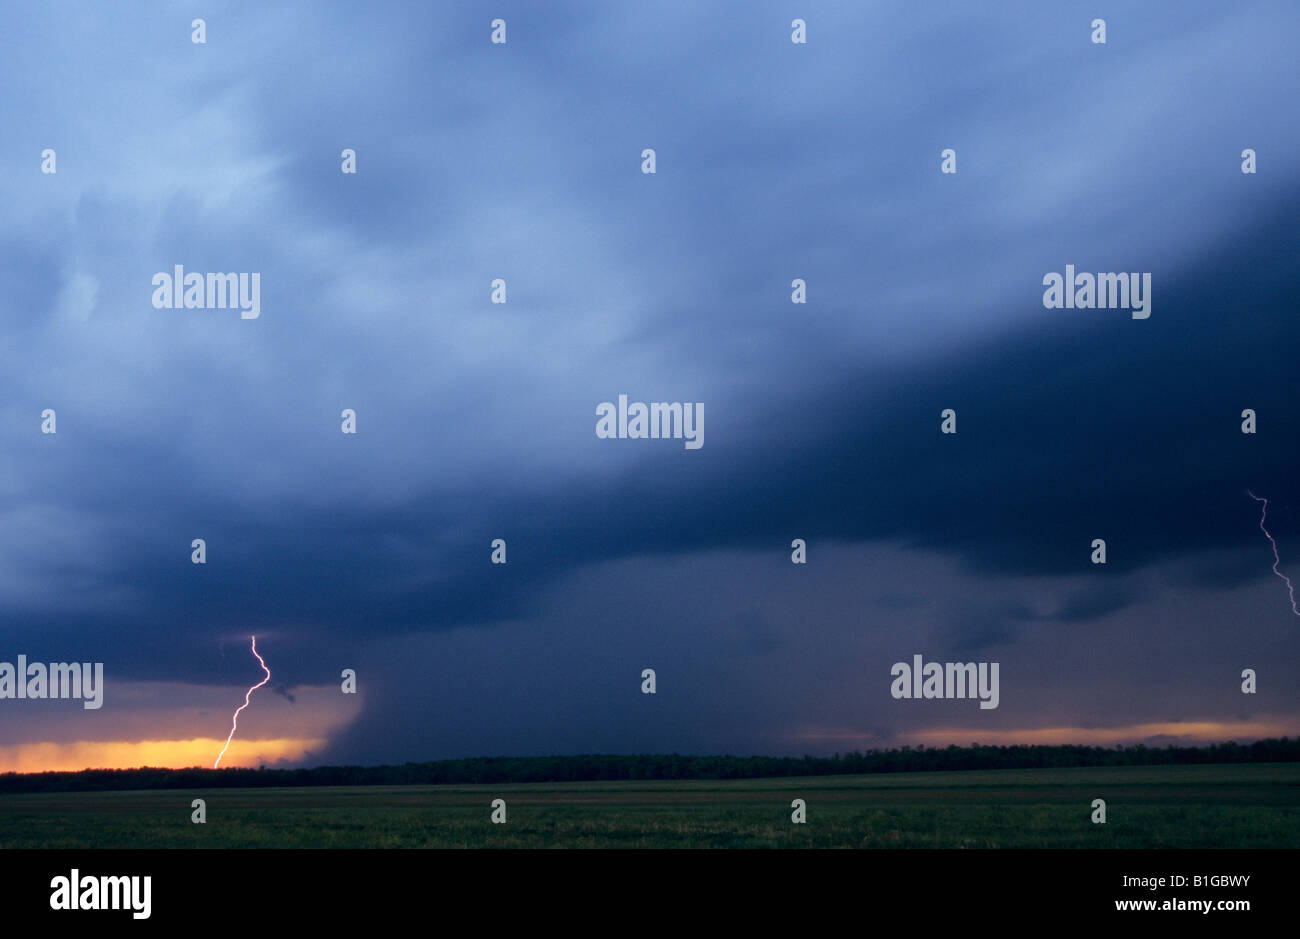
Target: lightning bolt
1276, 559
234, 722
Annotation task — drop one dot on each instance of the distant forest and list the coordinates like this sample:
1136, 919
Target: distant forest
672, 766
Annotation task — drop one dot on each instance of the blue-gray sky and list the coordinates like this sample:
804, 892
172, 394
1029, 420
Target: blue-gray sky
477, 421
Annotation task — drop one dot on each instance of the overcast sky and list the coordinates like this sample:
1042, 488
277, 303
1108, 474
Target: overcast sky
476, 420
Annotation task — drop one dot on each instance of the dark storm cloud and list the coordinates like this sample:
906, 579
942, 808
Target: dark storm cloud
1093, 603
476, 422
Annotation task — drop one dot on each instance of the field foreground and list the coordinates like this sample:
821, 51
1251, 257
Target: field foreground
1203, 806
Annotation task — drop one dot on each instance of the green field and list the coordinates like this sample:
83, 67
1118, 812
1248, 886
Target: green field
1219, 806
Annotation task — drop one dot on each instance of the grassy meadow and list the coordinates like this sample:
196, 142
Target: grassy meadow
1198, 806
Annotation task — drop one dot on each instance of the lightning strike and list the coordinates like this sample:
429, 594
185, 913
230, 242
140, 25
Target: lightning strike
234, 722
1276, 559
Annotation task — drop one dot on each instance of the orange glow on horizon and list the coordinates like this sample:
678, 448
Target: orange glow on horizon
166, 754
1188, 732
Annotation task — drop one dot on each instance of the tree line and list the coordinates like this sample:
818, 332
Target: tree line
657, 766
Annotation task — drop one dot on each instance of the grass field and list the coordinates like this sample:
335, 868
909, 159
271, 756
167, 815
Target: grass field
1222, 806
